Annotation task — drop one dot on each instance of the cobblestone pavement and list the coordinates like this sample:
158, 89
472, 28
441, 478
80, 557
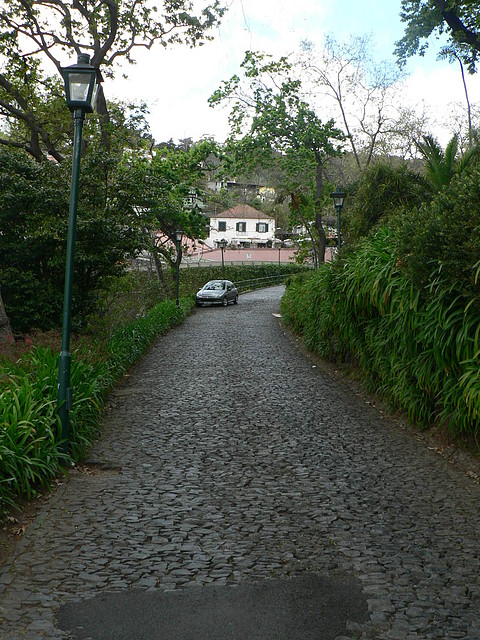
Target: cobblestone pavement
228, 458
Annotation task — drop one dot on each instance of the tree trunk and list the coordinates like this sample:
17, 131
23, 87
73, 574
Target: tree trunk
6, 334
159, 271
104, 117
469, 108
321, 242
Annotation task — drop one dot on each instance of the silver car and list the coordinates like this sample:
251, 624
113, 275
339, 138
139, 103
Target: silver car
217, 292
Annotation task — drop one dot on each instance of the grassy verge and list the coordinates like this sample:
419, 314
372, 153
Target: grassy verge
420, 350
30, 434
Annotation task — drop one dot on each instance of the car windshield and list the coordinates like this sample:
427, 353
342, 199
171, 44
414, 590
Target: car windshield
214, 286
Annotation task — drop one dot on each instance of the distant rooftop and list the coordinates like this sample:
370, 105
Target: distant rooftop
244, 211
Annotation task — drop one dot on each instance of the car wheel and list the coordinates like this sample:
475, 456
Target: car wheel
235, 300
224, 301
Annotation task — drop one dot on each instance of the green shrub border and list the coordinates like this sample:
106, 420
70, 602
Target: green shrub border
420, 350
31, 453
192, 278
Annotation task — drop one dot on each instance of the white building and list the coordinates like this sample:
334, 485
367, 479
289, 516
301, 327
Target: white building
241, 226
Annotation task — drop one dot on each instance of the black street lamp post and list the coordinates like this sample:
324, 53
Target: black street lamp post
178, 244
81, 84
222, 244
338, 199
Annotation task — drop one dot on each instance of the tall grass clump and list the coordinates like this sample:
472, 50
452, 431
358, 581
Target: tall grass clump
418, 348
31, 452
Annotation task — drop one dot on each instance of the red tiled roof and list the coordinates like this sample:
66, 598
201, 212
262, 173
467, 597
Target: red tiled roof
244, 211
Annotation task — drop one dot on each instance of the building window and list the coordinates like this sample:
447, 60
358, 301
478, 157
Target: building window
262, 227
222, 225
241, 227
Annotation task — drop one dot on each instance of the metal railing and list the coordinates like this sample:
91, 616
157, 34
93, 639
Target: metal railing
259, 283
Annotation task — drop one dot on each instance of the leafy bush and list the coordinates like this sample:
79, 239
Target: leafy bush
34, 203
423, 355
444, 238
123, 300
382, 190
28, 438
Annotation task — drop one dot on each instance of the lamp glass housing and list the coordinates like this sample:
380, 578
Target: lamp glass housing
178, 235
338, 198
80, 85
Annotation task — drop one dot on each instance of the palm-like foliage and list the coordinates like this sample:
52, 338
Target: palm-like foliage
441, 165
382, 190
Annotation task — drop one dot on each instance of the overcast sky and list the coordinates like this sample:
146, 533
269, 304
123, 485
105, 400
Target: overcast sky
176, 83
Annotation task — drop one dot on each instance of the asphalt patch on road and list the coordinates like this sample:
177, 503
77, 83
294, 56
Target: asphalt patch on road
310, 607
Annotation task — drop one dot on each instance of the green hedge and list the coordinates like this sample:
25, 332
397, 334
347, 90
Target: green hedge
420, 352
192, 278
30, 432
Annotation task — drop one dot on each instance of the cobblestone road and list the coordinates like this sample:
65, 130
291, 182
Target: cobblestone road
228, 458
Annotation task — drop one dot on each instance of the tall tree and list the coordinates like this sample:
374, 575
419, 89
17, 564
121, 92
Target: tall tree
154, 193
452, 53
364, 93
44, 31
269, 119
460, 19
33, 223
33, 206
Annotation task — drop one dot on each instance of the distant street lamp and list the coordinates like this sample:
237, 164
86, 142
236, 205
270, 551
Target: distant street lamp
81, 84
222, 244
178, 244
338, 199
279, 244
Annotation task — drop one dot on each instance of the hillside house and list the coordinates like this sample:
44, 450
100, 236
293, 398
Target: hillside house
241, 226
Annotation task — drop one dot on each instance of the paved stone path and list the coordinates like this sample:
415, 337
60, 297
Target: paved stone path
229, 459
